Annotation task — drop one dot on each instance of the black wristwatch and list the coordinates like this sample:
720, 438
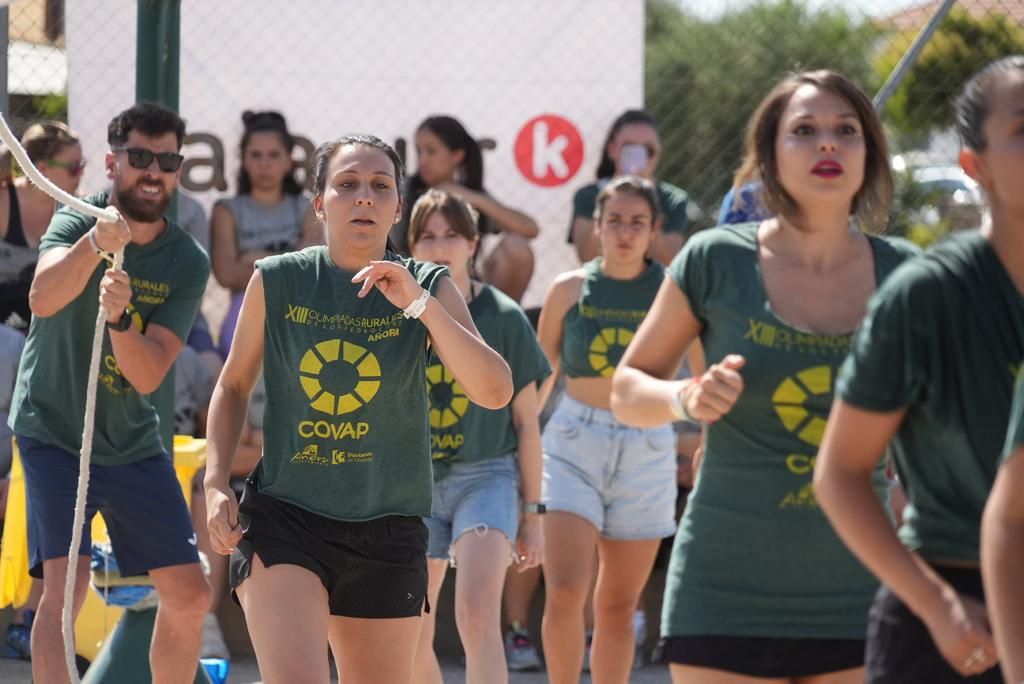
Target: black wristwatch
123, 324
535, 507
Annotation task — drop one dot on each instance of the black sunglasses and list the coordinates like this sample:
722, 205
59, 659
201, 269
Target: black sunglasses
139, 158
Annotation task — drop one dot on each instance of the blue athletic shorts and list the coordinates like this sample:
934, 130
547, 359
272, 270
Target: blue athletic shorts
142, 504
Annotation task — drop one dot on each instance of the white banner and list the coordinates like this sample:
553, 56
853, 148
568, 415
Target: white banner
539, 81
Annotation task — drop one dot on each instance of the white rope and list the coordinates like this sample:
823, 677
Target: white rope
67, 619
46, 185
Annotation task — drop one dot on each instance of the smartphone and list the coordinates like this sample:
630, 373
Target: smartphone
634, 159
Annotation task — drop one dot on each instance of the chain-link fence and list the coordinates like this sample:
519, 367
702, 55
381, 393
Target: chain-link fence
502, 67
704, 77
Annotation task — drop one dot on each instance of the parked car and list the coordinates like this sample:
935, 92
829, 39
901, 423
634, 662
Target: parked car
954, 197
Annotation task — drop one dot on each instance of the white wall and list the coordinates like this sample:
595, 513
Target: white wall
380, 67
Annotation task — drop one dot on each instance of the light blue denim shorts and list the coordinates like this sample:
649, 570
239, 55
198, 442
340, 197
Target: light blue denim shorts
474, 497
619, 478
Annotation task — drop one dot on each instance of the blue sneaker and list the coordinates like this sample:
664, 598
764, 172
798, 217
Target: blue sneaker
217, 669
18, 641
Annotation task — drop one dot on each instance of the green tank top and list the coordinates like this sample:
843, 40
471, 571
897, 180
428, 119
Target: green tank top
460, 431
597, 330
754, 556
346, 428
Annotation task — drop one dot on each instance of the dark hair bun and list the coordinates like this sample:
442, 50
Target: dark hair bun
264, 120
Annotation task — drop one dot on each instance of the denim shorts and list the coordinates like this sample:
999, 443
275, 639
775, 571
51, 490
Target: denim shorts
474, 497
142, 504
619, 478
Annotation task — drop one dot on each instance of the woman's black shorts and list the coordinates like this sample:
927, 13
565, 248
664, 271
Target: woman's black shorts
900, 648
371, 569
764, 656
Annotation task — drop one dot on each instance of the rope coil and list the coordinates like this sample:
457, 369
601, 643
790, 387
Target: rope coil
85, 456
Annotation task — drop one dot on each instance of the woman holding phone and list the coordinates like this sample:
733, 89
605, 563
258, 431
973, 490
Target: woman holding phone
633, 147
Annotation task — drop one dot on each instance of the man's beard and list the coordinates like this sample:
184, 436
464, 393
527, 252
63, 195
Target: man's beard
142, 210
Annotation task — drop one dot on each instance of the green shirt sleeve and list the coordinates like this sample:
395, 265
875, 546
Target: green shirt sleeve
689, 270
584, 200
673, 208
66, 227
428, 275
583, 205
886, 369
526, 359
178, 312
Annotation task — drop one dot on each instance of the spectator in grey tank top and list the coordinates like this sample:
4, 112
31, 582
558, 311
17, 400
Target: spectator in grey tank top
269, 215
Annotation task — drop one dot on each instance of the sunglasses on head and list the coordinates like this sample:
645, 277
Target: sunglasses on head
139, 158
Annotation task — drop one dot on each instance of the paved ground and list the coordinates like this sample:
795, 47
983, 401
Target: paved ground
244, 671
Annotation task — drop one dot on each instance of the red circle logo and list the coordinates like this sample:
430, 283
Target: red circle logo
549, 150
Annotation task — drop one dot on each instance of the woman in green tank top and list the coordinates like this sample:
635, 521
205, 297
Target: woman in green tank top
482, 459
930, 381
759, 586
609, 489
327, 542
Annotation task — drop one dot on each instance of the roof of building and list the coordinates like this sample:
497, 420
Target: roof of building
915, 17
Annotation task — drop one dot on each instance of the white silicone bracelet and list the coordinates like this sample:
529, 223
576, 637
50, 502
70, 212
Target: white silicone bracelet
418, 306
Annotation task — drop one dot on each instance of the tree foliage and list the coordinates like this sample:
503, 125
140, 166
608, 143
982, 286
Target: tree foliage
705, 78
961, 46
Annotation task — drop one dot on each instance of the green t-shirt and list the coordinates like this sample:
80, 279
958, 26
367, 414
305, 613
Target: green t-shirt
673, 203
754, 556
943, 339
345, 426
599, 327
460, 431
168, 278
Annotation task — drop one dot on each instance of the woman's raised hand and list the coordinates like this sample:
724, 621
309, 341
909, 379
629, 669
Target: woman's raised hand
392, 279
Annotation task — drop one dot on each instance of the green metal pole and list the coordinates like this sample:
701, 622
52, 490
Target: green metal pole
157, 59
158, 52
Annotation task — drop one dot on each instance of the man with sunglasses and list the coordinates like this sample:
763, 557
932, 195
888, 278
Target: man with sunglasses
151, 306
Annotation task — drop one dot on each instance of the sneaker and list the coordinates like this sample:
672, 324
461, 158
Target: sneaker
18, 641
586, 650
520, 652
213, 645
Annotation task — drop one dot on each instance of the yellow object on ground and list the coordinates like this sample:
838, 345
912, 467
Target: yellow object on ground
96, 619
14, 550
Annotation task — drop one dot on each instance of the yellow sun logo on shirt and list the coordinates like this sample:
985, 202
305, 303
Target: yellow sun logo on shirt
448, 401
350, 373
606, 349
790, 401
